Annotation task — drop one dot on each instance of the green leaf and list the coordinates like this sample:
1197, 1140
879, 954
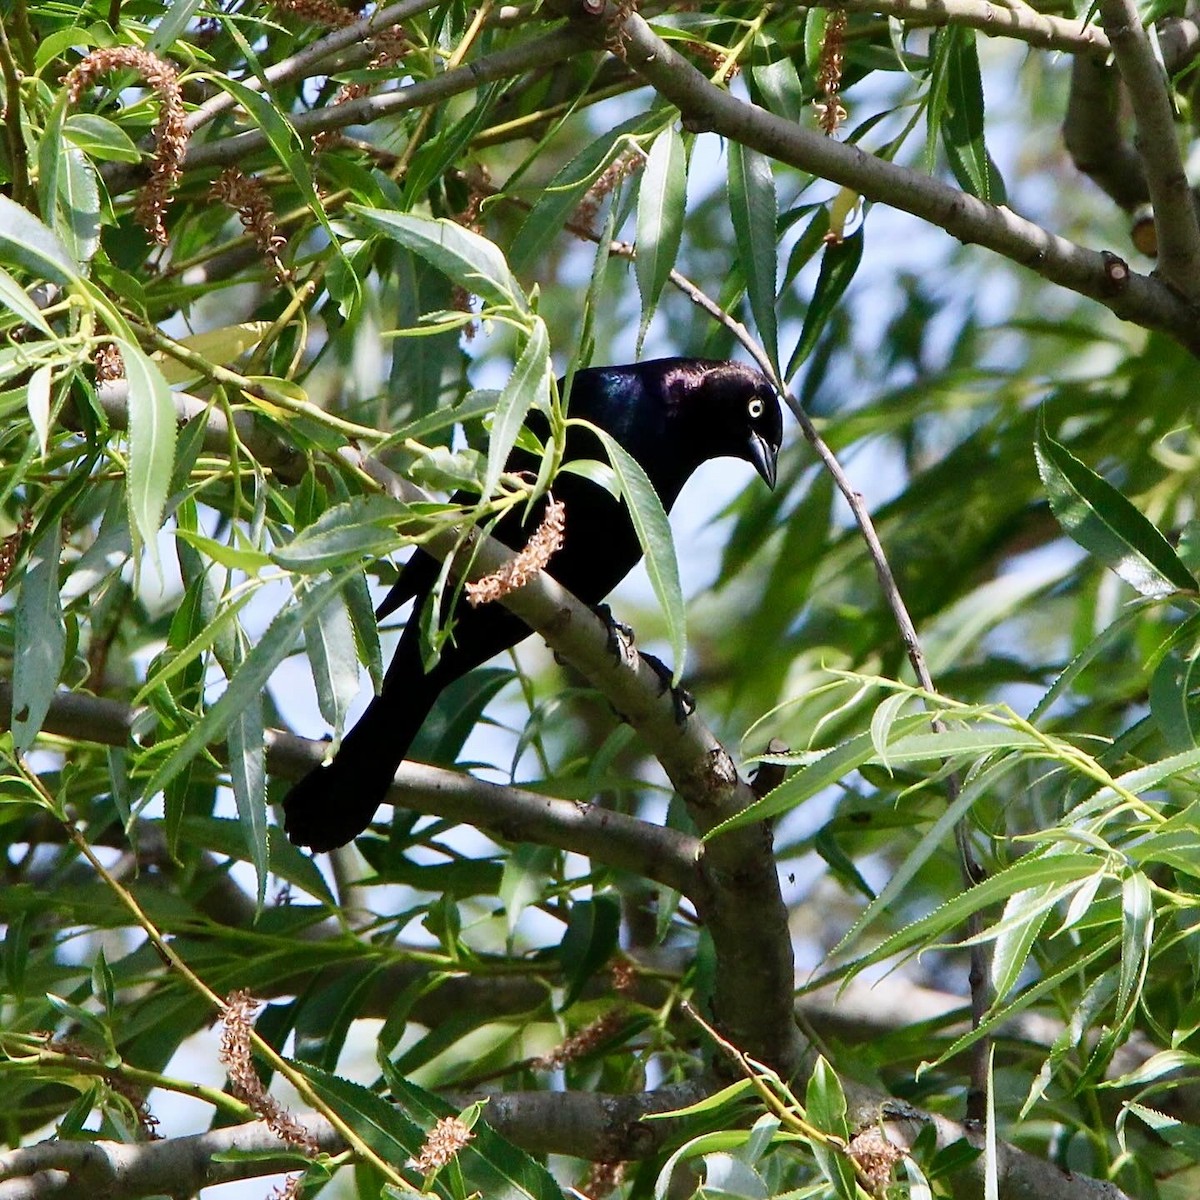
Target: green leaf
654, 535
171, 25
962, 121
1170, 686
826, 1106
561, 196
528, 385
1137, 933
80, 194
247, 773
753, 209
1024, 915
662, 201
980, 786
248, 681
380, 1124
37, 401
344, 534
40, 638
329, 640
100, 138
464, 257
14, 298
1103, 522
151, 445
839, 262
590, 939
492, 1166
814, 777
49, 161
1031, 871
24, 240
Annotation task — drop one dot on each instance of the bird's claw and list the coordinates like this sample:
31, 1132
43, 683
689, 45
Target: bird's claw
683, 700
620, 635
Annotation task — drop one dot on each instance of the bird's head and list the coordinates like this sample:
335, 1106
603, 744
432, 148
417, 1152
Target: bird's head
729, 410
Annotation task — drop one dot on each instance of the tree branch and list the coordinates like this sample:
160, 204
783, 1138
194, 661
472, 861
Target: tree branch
1017, 21
312, 59
588, 1125
1103, 277
551, 48
513, 814
1093, 138
1176, 226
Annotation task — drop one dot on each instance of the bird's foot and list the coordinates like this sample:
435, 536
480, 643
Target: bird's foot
681, 698
620, 635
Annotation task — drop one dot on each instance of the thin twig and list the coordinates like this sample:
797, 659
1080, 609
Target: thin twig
312, 59
12, 124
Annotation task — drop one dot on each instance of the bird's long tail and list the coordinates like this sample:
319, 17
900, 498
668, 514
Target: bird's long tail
333, 804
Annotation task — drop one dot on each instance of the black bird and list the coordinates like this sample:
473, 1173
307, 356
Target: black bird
671, 415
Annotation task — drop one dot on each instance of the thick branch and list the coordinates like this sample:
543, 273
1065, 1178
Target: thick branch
514, 814
1017, 21
581, 1124
171, 1167
1176, 226
1133, 297
1093, 137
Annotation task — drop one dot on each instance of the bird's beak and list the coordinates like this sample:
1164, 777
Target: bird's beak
764, 457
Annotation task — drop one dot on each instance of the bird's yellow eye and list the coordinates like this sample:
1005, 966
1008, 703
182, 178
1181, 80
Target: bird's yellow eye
755, 408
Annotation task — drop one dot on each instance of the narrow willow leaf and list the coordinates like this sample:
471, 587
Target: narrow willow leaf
172, 24
962, 120
329, 641
40, 638
1137, 932
37, 401
562, 195
464, 257
49, 161
654, 535
1031, 871
776, 79
80, 196
248, 775
589, 941
1104, 523
361, 611
753, 208
24, 240
979, 786
381, 1124
1170, 687
662, 198
100, 138
825, 770
991, 1159
344, 534
248, 681
839, 262
151, 445
1024, 915
14, 298
528, 385
826, 1105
